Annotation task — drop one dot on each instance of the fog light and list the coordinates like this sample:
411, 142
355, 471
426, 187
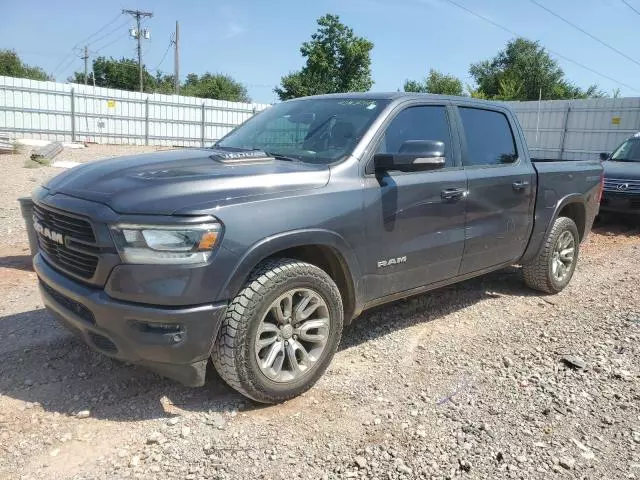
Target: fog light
177, 337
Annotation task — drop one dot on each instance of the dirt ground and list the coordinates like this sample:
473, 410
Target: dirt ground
485, 379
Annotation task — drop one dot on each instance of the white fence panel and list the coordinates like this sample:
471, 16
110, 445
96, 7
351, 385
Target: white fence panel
70, 112
577, 129
567, 129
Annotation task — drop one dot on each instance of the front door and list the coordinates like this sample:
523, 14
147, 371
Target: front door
415, 220
499, 212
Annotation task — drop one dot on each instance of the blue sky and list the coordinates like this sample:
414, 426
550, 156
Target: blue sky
257, 41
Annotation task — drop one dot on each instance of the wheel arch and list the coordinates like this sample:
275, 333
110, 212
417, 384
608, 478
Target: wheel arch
572, 206
325, 249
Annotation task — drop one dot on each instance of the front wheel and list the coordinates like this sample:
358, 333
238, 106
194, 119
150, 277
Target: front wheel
280, 332
553, 267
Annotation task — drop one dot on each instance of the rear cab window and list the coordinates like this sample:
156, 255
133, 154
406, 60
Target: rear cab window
489, 137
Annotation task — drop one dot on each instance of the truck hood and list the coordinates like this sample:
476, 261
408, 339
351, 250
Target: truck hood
622, 170
164, 182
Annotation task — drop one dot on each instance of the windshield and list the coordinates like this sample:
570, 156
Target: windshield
314, 130
629, 151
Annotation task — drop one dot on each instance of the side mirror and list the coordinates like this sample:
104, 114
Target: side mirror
604, 156
414, 155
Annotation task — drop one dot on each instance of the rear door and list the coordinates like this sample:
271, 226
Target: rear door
499, 212
414, 220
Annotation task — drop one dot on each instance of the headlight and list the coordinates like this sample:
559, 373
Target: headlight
167, 245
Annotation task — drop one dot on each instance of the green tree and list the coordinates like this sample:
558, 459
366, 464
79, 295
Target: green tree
336, 61
12, 66
437, 83
164, 83
521, 70
121, 74
217, 86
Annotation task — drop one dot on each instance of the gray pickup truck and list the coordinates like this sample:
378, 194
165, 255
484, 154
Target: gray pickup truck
257, 252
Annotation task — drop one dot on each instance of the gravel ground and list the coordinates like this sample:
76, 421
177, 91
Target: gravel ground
20, 181
484, 379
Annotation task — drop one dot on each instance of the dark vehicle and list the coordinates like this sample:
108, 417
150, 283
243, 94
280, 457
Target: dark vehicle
622, 178
257, 252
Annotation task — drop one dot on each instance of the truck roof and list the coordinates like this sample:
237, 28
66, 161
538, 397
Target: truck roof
397, 96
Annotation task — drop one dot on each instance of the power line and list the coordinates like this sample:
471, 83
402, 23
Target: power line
164, 55
582, 30
110, 32
512, 32
109, 23
630, 6
108, 44
75, 47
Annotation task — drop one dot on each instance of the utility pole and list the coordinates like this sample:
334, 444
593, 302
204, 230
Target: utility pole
86, 63
176, 61
137, 34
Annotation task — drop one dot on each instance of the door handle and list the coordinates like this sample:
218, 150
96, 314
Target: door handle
520, 185
453, 193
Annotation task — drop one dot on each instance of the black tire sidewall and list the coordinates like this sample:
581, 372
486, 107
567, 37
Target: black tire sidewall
295, 278
564, 225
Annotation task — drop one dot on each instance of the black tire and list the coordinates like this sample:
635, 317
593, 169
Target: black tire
538, 274
233, 353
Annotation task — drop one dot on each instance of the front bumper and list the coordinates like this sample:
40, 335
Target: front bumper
611, 202
173, 341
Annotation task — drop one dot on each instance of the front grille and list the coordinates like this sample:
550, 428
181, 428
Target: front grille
76, 307
82, 264
67, 225
621, 185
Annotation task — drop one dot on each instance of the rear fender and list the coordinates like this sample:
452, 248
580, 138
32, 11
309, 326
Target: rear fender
545, 217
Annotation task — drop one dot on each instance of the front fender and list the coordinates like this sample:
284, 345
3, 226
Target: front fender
276, 243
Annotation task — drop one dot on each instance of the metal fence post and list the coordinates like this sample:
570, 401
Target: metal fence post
564, 130
73, 115
146, 121
202, 126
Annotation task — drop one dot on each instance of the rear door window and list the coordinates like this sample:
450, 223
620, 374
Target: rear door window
489, 137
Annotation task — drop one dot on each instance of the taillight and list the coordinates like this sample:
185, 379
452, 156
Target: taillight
601, 188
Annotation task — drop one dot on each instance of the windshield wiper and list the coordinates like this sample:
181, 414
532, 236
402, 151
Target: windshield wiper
278, 156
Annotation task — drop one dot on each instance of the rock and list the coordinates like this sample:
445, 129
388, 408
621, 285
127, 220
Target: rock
173, 421
507, 362
83, 414
574, 362
622, 375
135, 461
54, 452
154, 437
377, 421
28, 382
465, 466
185, 432
402, 468
567, 463
361, 462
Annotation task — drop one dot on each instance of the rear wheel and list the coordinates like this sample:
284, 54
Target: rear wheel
281, 331
553, 267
